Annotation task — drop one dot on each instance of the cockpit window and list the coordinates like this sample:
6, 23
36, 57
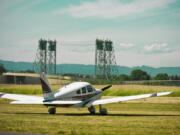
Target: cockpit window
78, 91
84, 90
89, 88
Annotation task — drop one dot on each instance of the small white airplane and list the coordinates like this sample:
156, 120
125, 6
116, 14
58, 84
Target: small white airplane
77, 94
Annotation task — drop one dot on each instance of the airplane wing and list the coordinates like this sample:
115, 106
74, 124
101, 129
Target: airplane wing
20, 97
26, 99
126, 98
47, 103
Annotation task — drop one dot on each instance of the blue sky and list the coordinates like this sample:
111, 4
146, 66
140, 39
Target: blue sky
143, 32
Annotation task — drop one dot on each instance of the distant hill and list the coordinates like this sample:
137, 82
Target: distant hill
16, 66
89, 69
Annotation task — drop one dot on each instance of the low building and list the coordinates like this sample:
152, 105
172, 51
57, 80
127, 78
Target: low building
19, 78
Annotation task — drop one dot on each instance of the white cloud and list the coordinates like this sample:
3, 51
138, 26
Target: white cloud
157, 48
126, 45
130, 58
113, 8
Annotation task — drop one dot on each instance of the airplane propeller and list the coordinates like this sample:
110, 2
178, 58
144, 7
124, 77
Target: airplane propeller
107, 87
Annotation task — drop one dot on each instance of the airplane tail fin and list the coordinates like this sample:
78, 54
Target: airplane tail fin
46, 89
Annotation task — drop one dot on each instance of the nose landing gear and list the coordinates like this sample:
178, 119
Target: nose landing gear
92, 110
52, 110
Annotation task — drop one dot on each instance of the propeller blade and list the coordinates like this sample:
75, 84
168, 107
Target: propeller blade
107, 87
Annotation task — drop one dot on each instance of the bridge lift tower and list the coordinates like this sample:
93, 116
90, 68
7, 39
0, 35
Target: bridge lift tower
105, 61
51, 67
45, 60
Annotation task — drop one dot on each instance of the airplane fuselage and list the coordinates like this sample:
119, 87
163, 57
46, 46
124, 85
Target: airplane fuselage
77, 91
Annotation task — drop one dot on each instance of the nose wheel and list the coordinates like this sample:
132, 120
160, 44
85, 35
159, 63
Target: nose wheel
102, 111
92, 110
52, 110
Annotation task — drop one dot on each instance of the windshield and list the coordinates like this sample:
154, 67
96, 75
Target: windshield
90, 88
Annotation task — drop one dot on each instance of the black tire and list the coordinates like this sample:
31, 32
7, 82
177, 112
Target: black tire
52, 110
92, 113
92, 110
103, 111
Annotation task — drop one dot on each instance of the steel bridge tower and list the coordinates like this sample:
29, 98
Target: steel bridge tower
45, 60
105, 61
51, 67
40, 59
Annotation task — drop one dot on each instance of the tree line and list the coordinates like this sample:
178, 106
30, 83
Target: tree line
138, 75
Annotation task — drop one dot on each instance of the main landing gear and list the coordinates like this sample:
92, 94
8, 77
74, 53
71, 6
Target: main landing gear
102, 111
52, 110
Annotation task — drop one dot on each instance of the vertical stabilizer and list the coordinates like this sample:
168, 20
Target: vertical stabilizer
47, 91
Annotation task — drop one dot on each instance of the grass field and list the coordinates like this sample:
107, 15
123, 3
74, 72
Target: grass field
115, 90
152, 116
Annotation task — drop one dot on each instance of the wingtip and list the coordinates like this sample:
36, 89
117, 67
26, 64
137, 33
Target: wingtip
164, 93
170, 92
